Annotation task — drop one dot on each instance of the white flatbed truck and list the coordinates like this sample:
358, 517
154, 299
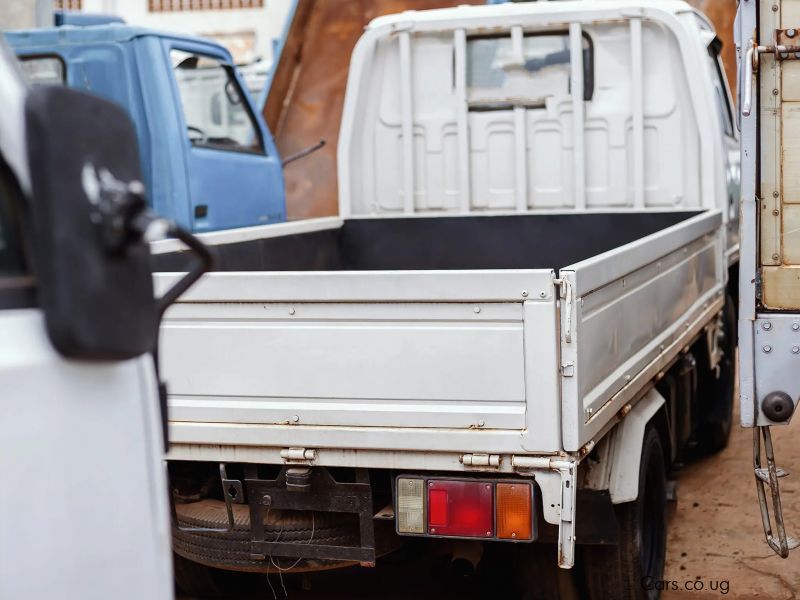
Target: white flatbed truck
522, 317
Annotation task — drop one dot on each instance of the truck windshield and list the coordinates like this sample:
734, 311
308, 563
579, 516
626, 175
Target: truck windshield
213, 105
500, 76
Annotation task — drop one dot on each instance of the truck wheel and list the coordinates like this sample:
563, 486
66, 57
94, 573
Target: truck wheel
716, 389
538, 576
629, 569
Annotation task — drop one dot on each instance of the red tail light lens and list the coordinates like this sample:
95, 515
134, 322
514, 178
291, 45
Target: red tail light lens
460, 508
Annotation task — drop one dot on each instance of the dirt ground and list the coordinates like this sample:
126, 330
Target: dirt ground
715, 535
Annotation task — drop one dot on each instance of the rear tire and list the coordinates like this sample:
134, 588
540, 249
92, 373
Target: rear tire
625, 570
716, 389
538, 576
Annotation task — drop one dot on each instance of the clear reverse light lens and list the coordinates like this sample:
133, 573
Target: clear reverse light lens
410, 505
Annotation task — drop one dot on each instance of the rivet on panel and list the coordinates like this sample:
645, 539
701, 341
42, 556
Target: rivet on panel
776, 256
795, 349
766, 326
775, 212
524, 293
291, 311
767, 349
775, 91
795, 326
477, 309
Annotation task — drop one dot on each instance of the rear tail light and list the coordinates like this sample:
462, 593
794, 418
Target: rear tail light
460, 508
470, 508
513, 511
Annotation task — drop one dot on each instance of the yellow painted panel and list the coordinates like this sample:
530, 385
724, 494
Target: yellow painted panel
790, 13
780, 287
791, 234
791, 152
790, 80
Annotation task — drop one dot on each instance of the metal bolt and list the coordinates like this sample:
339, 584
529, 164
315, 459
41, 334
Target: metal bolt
477, 309
291, 311
776, 256
784, 55
524, 293
295, 418
775, 212
767, 349
433, 530
488, 533
775, 194
775, 91
513, 534
589, 410
790, 33
410, 483
542, 294
481, 423
627, 377
774, 8
488, 487
795, 349
430, 484
766, 326
795, 326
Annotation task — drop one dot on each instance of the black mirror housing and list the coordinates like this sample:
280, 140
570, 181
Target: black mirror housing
97, 296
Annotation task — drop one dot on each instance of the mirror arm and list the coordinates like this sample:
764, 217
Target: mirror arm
204, 262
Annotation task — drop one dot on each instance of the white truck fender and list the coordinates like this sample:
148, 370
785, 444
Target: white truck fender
627, 448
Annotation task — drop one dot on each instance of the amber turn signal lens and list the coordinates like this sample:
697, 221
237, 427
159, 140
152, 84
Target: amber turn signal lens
513, 502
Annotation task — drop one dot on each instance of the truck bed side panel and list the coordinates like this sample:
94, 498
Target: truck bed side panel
632, 310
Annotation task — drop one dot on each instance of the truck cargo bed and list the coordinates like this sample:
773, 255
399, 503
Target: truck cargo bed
528, 241
388, 333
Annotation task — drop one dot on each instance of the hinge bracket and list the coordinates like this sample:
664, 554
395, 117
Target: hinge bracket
298, 455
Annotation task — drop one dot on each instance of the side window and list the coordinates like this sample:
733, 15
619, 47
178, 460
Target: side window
44, 70
499, 76
214, 108
720, 91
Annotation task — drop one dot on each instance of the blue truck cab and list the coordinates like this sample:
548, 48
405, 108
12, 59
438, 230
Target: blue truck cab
208, 159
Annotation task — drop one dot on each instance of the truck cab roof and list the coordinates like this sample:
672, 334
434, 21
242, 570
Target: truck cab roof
112, 32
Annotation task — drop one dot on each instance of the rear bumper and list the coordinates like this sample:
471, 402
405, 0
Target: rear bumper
554, 477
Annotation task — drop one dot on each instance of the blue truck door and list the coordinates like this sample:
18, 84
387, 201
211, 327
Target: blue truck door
235, 174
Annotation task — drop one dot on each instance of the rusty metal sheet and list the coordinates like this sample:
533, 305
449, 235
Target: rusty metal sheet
309, 107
